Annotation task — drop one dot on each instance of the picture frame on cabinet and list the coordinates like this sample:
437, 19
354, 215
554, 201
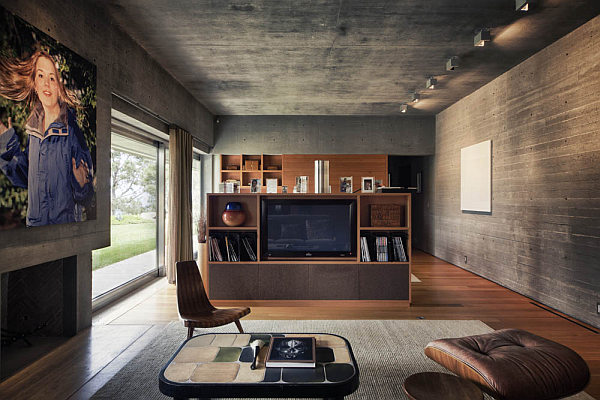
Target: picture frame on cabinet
368, 185
346, 184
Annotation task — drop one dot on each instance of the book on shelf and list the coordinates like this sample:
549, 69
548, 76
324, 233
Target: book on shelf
292, 352
381, 245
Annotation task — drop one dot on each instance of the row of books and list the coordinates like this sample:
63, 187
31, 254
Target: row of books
232, 248
385, 249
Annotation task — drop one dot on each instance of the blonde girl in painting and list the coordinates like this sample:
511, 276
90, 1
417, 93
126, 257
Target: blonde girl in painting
56, 166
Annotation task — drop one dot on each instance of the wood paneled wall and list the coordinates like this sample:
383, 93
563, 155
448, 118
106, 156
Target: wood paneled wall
543, 236
340, 165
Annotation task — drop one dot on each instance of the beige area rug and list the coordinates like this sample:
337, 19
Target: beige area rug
414, 279
387, 352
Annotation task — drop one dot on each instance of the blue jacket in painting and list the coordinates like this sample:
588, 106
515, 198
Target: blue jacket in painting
45, 167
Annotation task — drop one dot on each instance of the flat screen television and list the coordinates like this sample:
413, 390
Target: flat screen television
307, 228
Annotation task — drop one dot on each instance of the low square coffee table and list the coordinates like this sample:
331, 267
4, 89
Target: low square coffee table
218, 365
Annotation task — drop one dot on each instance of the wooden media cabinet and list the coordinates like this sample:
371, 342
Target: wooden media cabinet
306, 280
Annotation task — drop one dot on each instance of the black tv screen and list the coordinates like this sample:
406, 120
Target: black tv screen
308, 228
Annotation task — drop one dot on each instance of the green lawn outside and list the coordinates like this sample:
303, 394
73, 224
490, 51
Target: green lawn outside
126, 241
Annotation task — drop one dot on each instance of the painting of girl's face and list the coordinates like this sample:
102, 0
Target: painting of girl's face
46, 82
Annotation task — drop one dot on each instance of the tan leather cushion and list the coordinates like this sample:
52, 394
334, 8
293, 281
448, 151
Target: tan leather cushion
513, 364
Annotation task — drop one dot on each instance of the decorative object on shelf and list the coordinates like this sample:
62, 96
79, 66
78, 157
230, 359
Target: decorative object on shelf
233, 214
322, 176
346, 184
202, 228
301, 184
232, 167
251, 165
386, 214
284, 189
231, 186
273, 168
271, 185
368, 185
255, 186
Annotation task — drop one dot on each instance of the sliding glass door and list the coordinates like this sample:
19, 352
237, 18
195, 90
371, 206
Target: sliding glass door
133, 222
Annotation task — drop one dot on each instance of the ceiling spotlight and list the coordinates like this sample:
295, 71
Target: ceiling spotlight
452, 63
431, 81
482, 37
416, 97
524, 5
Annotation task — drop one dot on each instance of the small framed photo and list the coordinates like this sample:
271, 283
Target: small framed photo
271, 185
255, 186
346, 184
284, 189
368, 184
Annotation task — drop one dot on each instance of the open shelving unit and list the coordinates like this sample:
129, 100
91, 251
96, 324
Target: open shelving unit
265, 282
238, 167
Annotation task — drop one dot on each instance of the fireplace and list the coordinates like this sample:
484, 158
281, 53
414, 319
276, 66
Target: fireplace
38, 312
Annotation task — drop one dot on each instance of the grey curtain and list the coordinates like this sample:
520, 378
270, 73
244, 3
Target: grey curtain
179, 245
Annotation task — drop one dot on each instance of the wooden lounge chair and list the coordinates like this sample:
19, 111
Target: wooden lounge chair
194, 306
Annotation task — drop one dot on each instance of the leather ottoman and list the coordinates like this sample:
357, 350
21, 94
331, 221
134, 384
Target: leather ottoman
512, 364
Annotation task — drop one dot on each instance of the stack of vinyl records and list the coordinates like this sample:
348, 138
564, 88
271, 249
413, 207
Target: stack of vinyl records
399, 253
364, 250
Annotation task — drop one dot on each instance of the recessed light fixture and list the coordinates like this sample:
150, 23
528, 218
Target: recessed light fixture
524, 5
403, 107
452, 63
482, 37
431, 81
416, 97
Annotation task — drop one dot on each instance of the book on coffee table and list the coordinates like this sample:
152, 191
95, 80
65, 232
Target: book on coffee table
292, 352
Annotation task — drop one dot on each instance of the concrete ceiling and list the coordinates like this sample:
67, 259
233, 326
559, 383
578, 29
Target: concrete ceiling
345, 57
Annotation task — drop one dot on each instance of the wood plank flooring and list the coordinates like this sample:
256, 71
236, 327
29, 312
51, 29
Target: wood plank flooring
82, 365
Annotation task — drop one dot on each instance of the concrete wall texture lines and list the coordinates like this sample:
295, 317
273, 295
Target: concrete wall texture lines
543, 236
324, 135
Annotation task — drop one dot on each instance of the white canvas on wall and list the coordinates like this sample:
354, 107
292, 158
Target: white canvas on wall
476, 177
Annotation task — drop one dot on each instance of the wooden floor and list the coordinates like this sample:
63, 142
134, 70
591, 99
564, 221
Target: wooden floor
87, 361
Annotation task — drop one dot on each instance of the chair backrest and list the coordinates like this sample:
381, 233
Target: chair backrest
191, 297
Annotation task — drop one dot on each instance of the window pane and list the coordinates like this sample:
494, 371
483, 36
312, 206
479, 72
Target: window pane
133, 232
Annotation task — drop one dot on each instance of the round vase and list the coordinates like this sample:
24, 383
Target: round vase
233, 214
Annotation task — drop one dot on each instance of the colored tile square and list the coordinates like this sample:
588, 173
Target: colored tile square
342, 355
272, 375
212, 372
308, 375
224, 340
247, 355
245, 374
199, 341
257, 336
339, 372
179, 372
241, 340
324, 355
196, 354
228, 354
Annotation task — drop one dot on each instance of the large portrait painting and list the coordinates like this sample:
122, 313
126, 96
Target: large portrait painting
47, 129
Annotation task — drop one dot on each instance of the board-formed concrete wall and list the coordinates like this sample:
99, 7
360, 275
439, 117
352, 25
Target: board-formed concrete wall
324, 135
543, 236
123, 68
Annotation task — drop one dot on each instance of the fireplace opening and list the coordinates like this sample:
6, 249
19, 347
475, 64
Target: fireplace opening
38, 312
